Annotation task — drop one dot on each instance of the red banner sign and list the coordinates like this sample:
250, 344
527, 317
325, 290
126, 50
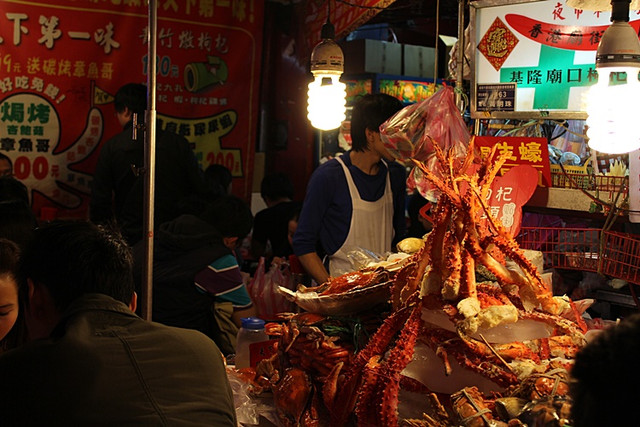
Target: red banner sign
61, 62
521, 150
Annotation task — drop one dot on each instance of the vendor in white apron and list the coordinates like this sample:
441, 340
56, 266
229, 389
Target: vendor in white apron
355, 201
371, 226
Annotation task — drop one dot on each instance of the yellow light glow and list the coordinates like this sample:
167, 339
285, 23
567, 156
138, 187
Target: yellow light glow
327, 101
612, 109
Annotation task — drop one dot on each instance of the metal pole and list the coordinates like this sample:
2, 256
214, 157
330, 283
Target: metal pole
437, 42
460, 57
150, 164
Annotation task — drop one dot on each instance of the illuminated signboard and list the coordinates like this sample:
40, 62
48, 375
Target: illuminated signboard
546, 48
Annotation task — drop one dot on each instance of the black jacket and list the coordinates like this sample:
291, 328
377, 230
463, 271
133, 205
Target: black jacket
117, 190
104, 366
182, 248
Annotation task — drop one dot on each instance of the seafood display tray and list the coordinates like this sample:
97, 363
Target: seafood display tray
343, 303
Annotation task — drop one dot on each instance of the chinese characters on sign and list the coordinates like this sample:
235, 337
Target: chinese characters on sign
496, 97
62, 61
546, 48
519, 151
509, 193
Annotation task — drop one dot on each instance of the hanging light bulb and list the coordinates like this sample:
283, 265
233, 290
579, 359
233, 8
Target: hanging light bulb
612, 121
327, 95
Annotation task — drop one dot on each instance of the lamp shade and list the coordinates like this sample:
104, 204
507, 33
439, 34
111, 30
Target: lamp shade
619, 47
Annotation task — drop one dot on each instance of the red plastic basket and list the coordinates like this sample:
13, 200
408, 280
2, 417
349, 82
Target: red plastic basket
580, 249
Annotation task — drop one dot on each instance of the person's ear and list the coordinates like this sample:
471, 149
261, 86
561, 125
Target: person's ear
124, 116
133, 304
41, 314
370, 135
230, 242
36, 297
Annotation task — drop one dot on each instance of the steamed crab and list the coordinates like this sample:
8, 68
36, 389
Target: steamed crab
350, 281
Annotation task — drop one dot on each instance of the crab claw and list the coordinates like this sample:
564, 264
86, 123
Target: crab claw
330, 386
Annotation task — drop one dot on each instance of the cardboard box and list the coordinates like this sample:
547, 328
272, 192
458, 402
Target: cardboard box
372, 56
419, 61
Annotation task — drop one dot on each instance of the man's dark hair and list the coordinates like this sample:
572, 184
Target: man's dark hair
217, 177
73, 258
17, 222
8, 159
11, 189
275, 186
133, 96
9, 261
604, 375
369, 112
230, 215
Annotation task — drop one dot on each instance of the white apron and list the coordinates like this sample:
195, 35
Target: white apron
371, 225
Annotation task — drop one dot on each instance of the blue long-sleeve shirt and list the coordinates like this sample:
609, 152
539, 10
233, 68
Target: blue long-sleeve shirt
326, 211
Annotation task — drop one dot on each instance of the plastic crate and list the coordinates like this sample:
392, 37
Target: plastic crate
579, 249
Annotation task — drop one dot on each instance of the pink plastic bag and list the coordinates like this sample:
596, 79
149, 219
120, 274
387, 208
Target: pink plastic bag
408, 134
263, 289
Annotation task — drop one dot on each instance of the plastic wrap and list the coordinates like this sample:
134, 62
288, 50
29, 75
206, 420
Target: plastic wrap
409, 133
263, 288
249, 407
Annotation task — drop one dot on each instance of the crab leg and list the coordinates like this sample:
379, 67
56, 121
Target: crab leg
345, 399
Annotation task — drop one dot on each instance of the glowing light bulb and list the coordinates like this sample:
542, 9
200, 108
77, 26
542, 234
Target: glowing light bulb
612, 109
327, 101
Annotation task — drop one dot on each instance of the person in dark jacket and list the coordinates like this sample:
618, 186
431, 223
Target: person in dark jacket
270, 224
604, 378
197, 282
92, 361
117, 189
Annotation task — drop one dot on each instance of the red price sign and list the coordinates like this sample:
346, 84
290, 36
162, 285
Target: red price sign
520, 150
261, 350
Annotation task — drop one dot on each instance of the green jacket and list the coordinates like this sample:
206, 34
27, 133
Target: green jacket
103, 365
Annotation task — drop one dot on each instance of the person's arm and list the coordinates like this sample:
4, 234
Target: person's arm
315, 220
237, 315
314, 267
224, 282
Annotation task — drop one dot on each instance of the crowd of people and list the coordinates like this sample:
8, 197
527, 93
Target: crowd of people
73, 349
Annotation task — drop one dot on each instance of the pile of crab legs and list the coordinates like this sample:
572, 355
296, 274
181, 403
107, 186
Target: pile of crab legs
442, 275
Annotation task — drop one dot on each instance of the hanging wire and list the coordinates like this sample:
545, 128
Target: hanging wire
435, 62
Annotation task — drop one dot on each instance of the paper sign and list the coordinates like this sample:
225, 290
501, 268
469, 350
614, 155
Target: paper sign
261, 350
509, 193
521, 151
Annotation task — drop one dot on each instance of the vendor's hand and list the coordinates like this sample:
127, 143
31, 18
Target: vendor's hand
278, 261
